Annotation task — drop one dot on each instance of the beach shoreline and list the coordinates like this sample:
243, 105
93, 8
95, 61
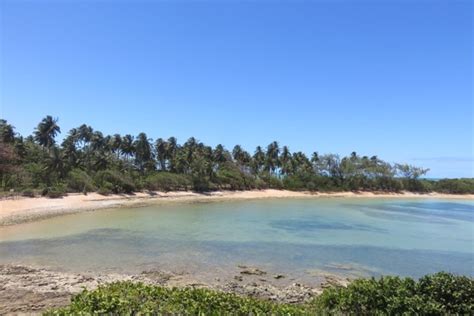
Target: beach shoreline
25, 209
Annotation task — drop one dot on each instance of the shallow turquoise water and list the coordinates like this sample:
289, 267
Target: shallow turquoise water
347, 236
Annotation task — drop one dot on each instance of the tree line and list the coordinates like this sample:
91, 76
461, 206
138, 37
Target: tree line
87, 160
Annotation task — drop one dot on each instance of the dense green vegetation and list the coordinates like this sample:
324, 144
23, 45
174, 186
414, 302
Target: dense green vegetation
437, 294
87, 160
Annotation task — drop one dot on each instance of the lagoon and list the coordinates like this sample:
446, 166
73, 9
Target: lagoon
301, 237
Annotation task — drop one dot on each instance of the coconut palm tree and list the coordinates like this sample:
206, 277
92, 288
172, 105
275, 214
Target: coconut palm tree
115, 144
46, 131
84, 135
7, 133
98, 142
220, 155
316, 162
171, 151
258, 160
55, 161
143, 152
160, 149
70, 151
237, 153
272, 162
285, 160
127, 147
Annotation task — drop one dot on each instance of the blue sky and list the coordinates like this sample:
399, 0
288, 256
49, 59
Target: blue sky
391, 78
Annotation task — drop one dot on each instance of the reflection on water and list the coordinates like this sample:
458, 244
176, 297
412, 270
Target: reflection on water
435, 212
370, 237
315, 224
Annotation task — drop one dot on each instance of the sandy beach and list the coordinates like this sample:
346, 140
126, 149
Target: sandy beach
22, 209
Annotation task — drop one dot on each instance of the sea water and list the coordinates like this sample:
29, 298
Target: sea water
348, 236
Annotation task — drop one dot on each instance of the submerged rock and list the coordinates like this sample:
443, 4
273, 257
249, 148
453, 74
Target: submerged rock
253, 271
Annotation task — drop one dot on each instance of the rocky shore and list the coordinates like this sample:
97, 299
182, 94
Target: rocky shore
32, 290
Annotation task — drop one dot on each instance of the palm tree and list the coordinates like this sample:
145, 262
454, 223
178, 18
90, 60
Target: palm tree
171, 151
98, 143
70, 151
272, 162
46, 131
6, 132
84, 134
55, 161
285, 160
237, 153
258, 160
316, 162
143, 152
160, 149
189, 148
242, 158
127, 147
115, 144
220, 155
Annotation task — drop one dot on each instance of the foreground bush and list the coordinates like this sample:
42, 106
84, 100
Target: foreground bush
126, 298
436, 294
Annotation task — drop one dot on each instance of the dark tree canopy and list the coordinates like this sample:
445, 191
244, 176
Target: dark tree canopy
88, 160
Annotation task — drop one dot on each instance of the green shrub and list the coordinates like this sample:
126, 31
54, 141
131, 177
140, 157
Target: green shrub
453, 294
294, 183
457, 186
260, 184
114, 181
387, 184
37, 174
167, 181
438, 294
104, 191
79, 181
417, 185
202, 183
55, 192
231, 178
127, 298
28, 193
272, 181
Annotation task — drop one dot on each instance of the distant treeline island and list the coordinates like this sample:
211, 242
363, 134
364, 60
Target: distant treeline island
88, 161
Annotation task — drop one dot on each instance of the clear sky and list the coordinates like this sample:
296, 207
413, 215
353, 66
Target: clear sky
391, 78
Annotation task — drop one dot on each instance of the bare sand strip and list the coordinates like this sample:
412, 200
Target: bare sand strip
23, 209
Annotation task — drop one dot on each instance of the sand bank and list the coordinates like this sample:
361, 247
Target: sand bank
22, 209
